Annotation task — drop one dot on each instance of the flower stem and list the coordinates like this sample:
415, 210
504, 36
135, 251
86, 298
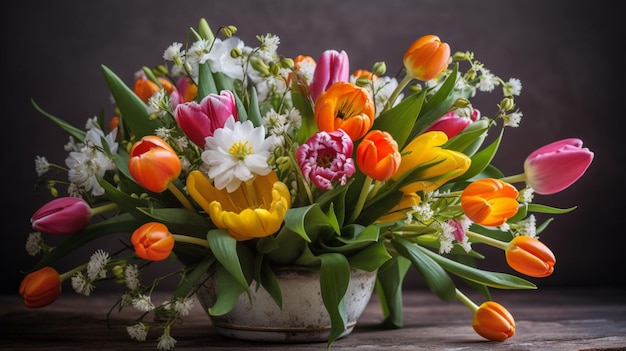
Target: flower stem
405, 81
515, 178
487, 240
361, 201
190, 240
466, 300
104, 208
180, 196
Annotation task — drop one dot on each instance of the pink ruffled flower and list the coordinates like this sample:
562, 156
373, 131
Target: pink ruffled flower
332, 66
326, 157
64, 215
199, 121
556, 166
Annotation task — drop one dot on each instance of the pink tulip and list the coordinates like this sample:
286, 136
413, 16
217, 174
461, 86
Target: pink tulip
326, 157
556, 166
64, 215
451, 124
332, 67
199, 121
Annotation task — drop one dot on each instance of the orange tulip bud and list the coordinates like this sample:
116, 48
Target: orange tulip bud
153, 241
40, 288
346, 106
492, 321
426, 58
530, 256
145, 88
153, 163
377, 155
489, 201
363, 73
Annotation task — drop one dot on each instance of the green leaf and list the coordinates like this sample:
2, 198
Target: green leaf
395, 120
389, 290
133, 111
487, 278
189, 281
270, 284
334, 280
206, 83
180, 220
434, 275
481, 160
228, 291
78, 134
370, 258
310, 220
462, 141
538, 208
224, 247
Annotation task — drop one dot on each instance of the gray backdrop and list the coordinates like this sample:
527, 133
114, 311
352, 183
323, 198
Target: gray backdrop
568, 55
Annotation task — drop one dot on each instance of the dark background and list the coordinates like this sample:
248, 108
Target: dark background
568, 55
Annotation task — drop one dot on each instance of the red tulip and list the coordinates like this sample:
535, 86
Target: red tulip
153, 241
556, 166
426, 58
492, 321
64, 215
153, 163
530, 256
40, 288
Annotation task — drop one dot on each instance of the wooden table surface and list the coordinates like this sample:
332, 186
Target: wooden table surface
584, 319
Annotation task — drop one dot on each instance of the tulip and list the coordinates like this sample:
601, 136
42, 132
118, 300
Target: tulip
152, 241
40, 288
556, 166
145, 88
304, 66
345, 106
199, 121
426, 149
377, 155
489, 201
64, 215
426, 58
153, 163
326, 157
254, 210
492, 321
451, 124
332, 66
530, 256
188, 90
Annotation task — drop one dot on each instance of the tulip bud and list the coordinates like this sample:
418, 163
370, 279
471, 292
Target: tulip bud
40, 288
377, 155
426, 58
556, 166
332, 67
492, 321
489, 201
530, 256
153, 241
64, 215
153, 163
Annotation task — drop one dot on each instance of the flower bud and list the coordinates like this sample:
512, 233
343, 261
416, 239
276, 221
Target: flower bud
426, 58
332, 67
507, 104
286, 62
152, 241
530, 256
379, 68
228, 31
64, 215
489, 201
377, 155
235, 53
205, 30
260, 65
40, 288
556, 166
492, 321
153, 163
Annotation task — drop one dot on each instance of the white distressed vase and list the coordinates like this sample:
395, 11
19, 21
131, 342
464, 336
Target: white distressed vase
303, 318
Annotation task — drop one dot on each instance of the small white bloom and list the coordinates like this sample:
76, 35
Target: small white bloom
182, 142
183, 306
159, 104
41, 165
131, 277
526, 195
513, 119
174, 53
269, 44
237, 153
166, 342
143, 303
446, 237
199, 51
163, 133
528, 226
138, 331
33, 243
82, 285
96, 268
505, 227
487, 81
92, 123
423, 212
513, 87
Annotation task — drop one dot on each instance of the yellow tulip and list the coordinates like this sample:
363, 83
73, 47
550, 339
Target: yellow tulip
426, 149
255, 210
398, 212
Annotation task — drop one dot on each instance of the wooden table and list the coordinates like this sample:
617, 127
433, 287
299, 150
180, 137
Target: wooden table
588, 319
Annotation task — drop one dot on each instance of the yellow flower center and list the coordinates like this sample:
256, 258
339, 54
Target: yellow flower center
240, 149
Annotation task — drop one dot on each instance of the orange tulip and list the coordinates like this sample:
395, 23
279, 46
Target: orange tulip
489, 201
145, 88
530, 256
363, 73
426, 149
377, 155
426, 58
40, 288
153, 163
492, 321
346, 106
153, 241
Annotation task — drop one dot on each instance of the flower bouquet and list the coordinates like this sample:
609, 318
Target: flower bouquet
237, 162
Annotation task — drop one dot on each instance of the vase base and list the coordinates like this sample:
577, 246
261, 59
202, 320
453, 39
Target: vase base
277, 334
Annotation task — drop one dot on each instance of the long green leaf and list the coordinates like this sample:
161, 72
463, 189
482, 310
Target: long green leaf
481, 160
224, 248
389, 290
395, 120
78, 134
370, 258
228, 291
206, 83
334, 280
